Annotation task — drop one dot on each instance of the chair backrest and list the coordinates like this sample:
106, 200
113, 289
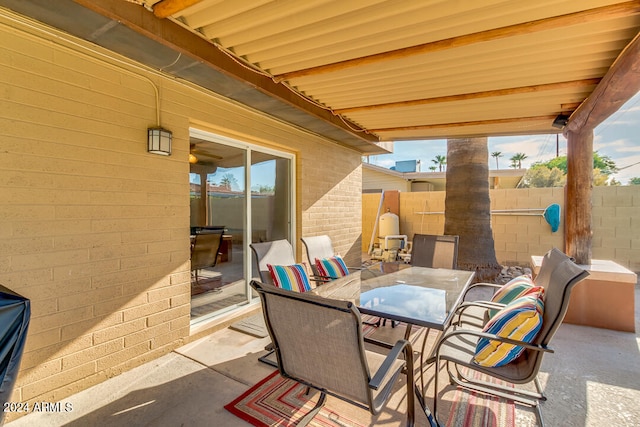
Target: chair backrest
565, 275
318, 341
560, 275
277, 252
205, 248
318, 247
435, 251
550, 261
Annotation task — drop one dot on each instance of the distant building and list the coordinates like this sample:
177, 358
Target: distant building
376, 178
407, 166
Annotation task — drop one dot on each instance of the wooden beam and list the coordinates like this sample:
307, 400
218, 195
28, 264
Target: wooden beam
166, 8
570, 106
578, 192
172, 35
591, 15
474, 95
620, 84
461, 124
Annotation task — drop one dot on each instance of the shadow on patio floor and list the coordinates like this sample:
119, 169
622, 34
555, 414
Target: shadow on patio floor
592, 379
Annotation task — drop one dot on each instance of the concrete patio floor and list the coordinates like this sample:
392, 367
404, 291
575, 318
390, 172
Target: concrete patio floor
593, 379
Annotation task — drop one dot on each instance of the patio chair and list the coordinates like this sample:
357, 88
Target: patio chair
434, 251
320, 247
205, 248
476, 313
319, 343
457, 346
276, 252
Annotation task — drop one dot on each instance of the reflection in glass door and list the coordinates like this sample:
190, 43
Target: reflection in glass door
223, 173
270, 199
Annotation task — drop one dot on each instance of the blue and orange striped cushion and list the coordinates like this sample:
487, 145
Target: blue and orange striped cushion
333, 267
520, 320
290, 277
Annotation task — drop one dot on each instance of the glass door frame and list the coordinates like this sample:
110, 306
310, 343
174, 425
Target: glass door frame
249, 148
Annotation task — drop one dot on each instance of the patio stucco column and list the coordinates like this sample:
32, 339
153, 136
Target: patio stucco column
578, 190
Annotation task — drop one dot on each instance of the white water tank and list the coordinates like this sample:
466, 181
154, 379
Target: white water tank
389, 225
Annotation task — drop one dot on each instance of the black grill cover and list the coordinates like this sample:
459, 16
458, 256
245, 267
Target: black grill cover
15, 312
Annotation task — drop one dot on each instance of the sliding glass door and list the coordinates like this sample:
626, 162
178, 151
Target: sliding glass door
242, 193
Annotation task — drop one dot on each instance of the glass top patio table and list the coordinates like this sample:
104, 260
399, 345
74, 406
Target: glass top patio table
415, 295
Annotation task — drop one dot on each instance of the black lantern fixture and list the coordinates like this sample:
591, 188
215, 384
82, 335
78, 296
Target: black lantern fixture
560, 121
159, 140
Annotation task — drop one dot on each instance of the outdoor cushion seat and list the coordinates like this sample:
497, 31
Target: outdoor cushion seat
332, 267
290, 277
521, 320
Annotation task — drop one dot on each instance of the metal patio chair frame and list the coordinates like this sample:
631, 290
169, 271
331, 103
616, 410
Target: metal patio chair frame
319, 343
558, 275
434, 251
321, 247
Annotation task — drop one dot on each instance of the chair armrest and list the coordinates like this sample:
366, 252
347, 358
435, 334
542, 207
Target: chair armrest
486, 285
320, 279
494, 337
489, 305
481, 285
402, 346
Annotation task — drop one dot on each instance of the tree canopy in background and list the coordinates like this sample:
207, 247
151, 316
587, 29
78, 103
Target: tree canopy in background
553, 173
539, 177
604, 163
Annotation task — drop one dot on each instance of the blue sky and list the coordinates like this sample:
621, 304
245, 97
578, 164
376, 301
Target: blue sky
617, 137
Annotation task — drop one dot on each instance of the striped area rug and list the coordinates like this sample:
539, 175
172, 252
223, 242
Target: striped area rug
470, 409
276, 401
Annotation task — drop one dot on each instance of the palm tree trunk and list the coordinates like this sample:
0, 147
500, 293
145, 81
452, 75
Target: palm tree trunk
468, 207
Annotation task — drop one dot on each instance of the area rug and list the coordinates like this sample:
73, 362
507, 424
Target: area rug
276, 401
471, 409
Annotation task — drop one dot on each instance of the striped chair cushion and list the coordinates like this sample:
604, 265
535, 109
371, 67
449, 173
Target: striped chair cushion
513, 289
333, 267
290, 277
520, 320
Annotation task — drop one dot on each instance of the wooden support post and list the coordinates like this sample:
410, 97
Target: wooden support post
578, 196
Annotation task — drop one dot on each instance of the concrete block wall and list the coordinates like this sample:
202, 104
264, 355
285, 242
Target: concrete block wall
95, 230
91, 225
518, 235
616, 225
616, 228
422, 213
330, 194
